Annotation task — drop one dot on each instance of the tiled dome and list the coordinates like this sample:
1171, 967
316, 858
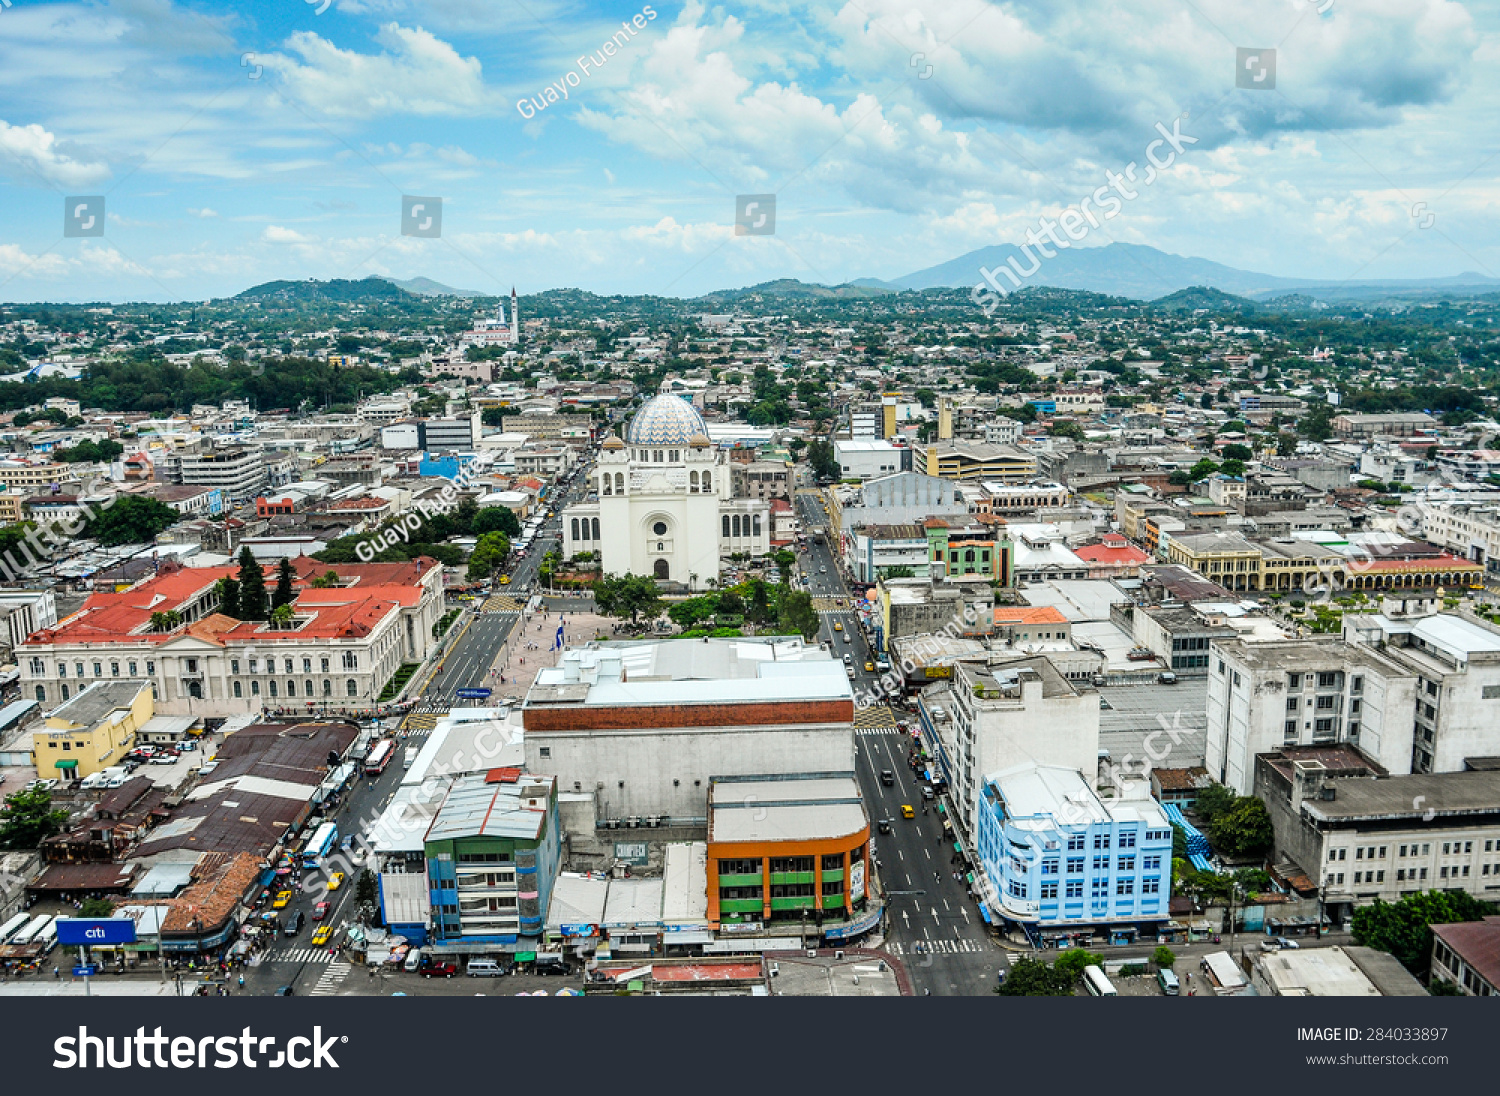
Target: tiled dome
665, 420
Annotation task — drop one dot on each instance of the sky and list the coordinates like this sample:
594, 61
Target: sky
235, 143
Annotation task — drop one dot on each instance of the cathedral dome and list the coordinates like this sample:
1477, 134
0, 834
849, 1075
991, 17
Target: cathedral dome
665, 420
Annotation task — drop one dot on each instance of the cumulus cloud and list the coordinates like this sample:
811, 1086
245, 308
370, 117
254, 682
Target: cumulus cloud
36, 149
276, 234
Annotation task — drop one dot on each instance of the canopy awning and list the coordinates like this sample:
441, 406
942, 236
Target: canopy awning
67, 763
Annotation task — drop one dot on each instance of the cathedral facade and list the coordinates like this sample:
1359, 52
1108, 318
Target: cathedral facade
663, 502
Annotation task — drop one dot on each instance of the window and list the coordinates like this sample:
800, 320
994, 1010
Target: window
254, 665
708, 481
351, 662
660, 529
41, 694
272, 687
65, 692
322, 667
291, 688
78, 668
1289, 732
1323, 726
327, 687
351, 688
1291, 704
1127, 839
290, 668
98, 669
36, 668
1124, 886
726, 525
1356, 684
1127, 863
133, 668
1075, 865
114, 669
1049, 867
1049, 890
236, 688
1294, 681
1101, 840
307, 687
1075, 843
1151, 885
255, 688
1101, 863
1150, 863
1325, 703
1074, 888
1327, 680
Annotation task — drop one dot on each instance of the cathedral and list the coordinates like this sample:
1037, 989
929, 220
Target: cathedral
663, 504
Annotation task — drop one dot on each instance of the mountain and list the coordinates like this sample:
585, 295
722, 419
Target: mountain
1201, 297
1145, 273
791, 287
339, 289
426, 287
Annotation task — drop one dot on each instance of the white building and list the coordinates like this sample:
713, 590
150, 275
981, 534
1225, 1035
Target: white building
866, 458
664, 505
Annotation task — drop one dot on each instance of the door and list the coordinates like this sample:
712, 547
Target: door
663, 570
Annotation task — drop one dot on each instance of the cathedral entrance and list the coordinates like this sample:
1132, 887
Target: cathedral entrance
663, 569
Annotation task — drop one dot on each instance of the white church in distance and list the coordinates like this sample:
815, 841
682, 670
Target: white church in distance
663, 503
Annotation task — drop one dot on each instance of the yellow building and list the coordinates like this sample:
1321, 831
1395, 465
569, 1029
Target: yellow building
1226, 558
10, 506
971, 460
93, 731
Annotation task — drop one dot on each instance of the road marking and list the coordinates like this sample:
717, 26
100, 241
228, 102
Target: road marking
946, 906
965, 911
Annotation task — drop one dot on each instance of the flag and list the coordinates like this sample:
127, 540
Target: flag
557, 641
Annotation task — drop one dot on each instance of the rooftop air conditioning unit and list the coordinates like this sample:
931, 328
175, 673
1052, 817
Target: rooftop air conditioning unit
633, 821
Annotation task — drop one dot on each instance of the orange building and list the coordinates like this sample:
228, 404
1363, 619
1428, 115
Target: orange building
782, 845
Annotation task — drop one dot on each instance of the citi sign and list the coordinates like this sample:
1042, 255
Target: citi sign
91, 931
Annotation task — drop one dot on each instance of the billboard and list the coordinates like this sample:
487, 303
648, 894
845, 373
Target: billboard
95, 930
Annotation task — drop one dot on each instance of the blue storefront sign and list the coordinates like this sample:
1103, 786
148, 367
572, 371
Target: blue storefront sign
473, 694
87, 931
85, 972
852, 928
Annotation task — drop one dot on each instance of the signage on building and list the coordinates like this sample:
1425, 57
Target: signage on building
853, 928
634, 853
473, 694
856, 880
88, 931
733, 927
580, 930
939, 671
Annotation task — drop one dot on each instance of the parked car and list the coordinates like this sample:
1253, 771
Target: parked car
438, 970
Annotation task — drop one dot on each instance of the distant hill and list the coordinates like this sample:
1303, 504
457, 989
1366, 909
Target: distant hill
426, 287
791, 287
339, 289
1199, 297
1145, 273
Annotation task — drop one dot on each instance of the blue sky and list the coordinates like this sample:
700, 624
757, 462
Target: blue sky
240, 142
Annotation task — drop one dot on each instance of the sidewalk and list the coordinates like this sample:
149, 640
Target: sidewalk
529, 647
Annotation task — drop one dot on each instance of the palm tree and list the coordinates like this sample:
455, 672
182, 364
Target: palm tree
165, 621
282, 617
326, 580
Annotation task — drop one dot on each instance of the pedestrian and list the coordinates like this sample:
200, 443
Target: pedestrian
56, 974
242, 981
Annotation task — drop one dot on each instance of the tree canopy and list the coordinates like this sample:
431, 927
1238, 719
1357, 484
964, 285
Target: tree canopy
132, 519
1404, 928
627, 596
27, 818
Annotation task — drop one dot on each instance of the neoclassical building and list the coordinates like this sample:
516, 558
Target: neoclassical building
664, 504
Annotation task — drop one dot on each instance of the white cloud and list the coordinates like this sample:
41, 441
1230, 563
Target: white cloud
37, 149
415, 73
204, 213
276, 234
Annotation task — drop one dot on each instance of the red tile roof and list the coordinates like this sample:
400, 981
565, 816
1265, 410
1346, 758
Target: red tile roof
1028, 614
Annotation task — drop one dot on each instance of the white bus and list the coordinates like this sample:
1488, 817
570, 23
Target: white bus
47, 938
9, 928
1097, 984
32, 932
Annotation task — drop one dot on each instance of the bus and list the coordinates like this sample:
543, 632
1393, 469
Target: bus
324, 838
47, 938
32, 932
380, 756
8, 929
1097, 984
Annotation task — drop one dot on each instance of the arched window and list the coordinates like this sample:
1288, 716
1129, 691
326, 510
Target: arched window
755, 519
255, 688
575, 528
238, 692
726, 525
596, 527
41, 694
708, 483
351, 687
272, 687
327, 687
307, 688
619, 483
734, 525
606, 485
693, 482
64, 692
291, 688
195, 690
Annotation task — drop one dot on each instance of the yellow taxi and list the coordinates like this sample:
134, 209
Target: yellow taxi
336, 880
283, 900
504, 580
320, 937
907, 811
869, 667
837, 627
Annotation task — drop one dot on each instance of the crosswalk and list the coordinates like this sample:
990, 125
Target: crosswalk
875, 716
501, 604
877, 732
331, 979
937, 947
297, 955
421, 722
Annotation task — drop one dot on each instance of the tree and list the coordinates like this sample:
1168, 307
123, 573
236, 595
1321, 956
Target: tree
165, 621
1404, 928
252, 587
927, 398
901, 570
1243, 830
824, 464
1206, 400
1317, 424
489, 552
132, 519
282, 616
1235, 451
1034, 978
496, 519
1286, 444
1072, 962
27, 818
627, 595
796, 612
327, 580
97, 907
285, 593
694, 611
229, 597
1213, 801
1441, 987
1233, 467
1164, 957
1066, 429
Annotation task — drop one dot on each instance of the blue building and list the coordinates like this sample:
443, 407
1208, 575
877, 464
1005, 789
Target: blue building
1059, 860
448, 465
492, 853
1044, 407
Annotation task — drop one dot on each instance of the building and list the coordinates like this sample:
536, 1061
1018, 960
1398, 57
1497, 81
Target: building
1025, 625
1041, 553
1401, 424
1467, 953
1360, 835
1058, 857
969, 460
36, 478
1021, 498
492, 852
873, 550
1226, 558
789, 847
346, 641
869, 457
238, 473
1332, 972
641, 729
496, 330
548, 425
665, 503
1002, 711
547, 462
91, 732
1469, 464
1112, 557
898, 499
762, 479
1267, 696
1454, 659
925, 606
24, 612
456, 434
